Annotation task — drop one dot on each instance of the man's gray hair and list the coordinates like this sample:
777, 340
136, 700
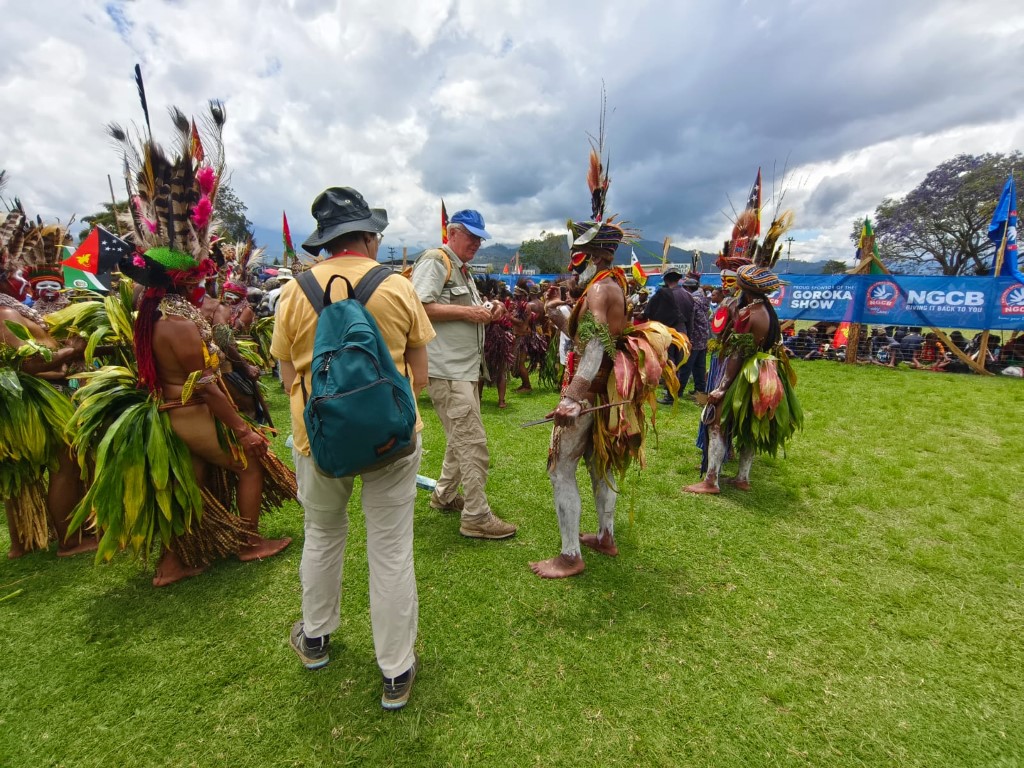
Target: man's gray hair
456, 227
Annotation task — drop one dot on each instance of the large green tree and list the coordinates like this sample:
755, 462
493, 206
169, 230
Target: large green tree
834, 267
548, 254
942, 224
230, 210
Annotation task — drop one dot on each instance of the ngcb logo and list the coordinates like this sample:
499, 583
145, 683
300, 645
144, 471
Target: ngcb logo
882, 296
1012, 300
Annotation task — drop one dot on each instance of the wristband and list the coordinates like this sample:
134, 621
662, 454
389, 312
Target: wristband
577, 389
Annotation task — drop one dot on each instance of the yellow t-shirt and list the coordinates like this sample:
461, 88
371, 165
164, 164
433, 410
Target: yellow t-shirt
394, 305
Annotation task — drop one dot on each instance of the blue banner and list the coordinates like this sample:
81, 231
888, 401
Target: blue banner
945, 302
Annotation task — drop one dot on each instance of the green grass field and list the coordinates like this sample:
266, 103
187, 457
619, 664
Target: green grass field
863, 605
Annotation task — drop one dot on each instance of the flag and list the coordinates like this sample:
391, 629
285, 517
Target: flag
289, 249
754, 203
519, 264
1003, 232
867, 247
444, 223
748, 223
842, 335
197, 145
504, 270
98, 256
76, 278
638, 272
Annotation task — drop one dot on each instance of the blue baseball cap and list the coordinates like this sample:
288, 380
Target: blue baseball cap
472, 221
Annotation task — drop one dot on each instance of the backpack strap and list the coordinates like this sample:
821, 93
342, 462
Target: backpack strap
369, 282
309, 285
444, 258
362, 292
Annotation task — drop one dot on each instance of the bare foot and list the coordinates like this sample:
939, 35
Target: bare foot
704, 486
558, 567
14, 554
503, 405
603, 543
735, 482
523, 389
87, 544
259, 548
171, 569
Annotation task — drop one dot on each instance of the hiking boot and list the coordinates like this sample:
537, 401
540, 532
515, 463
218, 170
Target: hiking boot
314, 654
397, 689
491, 527
666, 400
457, 504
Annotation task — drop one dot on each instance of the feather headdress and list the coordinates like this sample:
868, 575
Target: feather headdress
171, 213
602, 231
172, 194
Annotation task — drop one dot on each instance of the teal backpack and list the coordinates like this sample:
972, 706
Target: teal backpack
360, 413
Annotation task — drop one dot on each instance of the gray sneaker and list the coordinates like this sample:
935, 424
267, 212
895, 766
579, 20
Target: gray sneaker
491, 527
397, 689
314, 655
457, 504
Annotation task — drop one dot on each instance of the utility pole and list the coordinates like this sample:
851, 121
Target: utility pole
789, 249
391, 250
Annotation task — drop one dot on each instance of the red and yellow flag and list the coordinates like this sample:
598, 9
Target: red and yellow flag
638, 272
444, 223
842, 336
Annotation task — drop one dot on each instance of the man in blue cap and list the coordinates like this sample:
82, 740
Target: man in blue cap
442, 280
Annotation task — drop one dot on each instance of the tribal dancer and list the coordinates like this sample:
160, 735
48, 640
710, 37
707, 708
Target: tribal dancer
613, 364
33, 412
752, 398
527, 323
184, 403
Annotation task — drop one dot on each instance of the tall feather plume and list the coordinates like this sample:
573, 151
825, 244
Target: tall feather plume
142, 99
597, 170
746, 224
131, 164
13, 223
182, 185
214, 143
767, 253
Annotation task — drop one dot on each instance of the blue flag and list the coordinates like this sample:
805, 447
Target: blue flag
1004, 223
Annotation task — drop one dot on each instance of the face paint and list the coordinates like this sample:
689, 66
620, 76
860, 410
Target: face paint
47, 289
578, 261
588, 274
198, 293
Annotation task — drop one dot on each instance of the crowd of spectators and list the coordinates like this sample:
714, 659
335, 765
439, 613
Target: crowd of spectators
891, 346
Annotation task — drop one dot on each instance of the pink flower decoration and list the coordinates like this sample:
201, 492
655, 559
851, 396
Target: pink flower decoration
150, 225
206, 179
138, 261
202, 212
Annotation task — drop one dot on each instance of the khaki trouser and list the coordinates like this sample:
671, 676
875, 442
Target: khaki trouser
465, 455
388, 498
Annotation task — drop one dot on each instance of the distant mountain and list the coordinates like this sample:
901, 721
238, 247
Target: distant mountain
494, 256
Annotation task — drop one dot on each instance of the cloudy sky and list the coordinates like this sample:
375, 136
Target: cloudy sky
488, 104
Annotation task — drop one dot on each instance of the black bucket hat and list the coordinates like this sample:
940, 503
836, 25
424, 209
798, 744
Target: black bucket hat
338, 211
